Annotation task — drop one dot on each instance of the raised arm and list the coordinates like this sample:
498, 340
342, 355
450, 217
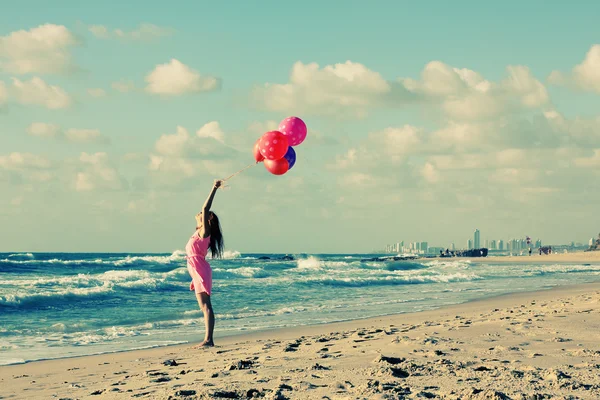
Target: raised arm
208, 202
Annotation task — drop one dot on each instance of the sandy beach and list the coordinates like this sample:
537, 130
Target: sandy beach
559, 258
537, 345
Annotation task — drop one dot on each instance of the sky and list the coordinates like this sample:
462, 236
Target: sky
426, 120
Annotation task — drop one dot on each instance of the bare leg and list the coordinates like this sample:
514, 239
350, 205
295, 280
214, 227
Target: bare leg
209, 319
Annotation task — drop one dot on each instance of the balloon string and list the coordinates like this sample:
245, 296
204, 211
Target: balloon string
241, 170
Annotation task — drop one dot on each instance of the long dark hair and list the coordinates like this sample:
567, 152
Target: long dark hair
216, 237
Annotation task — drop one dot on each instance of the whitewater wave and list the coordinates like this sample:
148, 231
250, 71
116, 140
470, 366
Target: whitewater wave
245, 272
388, 280
51, 291
459, 264
176, 256
313, 263
21, 255
230, 254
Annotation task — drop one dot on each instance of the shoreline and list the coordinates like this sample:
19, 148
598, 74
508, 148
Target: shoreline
591, 257
261, 332
98, 367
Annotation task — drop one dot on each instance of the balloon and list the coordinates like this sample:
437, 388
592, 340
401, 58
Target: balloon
277, 167
273, 145
257, 156
290, 156
295, 130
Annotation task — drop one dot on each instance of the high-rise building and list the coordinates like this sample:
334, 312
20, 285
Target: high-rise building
500, 244
400, 246
538, 243
424, 246
453, 247
469, 244
487, 244
477, 239
493, 244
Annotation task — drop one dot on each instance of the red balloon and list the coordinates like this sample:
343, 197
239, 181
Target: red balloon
257, 156
273, 145
277, 167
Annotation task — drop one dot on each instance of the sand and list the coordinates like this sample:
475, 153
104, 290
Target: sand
539, 345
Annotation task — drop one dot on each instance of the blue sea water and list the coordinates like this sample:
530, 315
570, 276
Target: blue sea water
56, 305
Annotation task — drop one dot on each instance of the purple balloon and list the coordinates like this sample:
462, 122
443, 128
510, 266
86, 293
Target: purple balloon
290, 156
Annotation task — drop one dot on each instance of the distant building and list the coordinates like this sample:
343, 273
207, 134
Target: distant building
424, 247
477, 239
493, 244
435, 250
500, 244
453, 247
469, 244
538, 243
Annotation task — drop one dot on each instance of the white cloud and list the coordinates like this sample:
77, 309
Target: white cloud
96, 92
176, 144
209, 143
430, 173
17, 201
439, 79
44, 130
465, 95
84, 136
520, 82
3, 94
20, 161
83, 182
96, 172
211, 130
45, 49
341, 88
123, 86
38, 92
25, 168
144, 32
353, 89
585, 76
398, 141
383, 149
53, 131
176, 78
179, 156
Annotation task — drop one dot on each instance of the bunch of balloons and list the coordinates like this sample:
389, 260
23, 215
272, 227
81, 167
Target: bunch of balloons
275, 149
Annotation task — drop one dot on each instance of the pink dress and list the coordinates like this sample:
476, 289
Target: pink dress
199, 269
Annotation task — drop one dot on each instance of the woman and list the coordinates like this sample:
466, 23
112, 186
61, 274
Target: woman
207, 235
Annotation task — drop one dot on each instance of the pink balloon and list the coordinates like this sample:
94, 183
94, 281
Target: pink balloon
273, 145
294, 129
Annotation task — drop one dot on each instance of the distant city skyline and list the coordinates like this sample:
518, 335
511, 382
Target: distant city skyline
508, 244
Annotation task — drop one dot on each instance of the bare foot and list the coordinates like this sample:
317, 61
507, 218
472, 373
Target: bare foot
205, 344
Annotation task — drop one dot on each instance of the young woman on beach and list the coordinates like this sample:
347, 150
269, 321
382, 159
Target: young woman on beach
207, 236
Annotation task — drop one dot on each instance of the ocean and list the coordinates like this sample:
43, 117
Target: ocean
55, 305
